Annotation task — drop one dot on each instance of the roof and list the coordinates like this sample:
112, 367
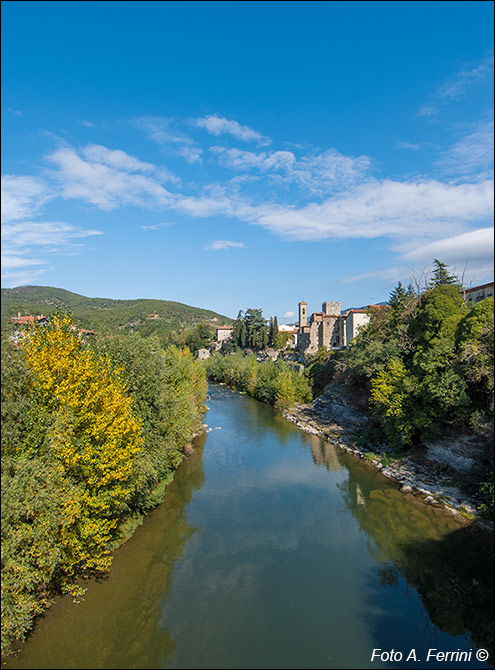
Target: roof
303, 302
28, 319
225, 327
477, 288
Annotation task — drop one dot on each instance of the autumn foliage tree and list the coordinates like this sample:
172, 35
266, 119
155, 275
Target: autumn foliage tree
89, 433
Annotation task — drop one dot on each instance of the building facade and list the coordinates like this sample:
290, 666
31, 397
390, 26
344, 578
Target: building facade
328, 329
476, 293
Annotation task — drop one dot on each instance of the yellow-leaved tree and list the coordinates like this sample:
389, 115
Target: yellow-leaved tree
95, 438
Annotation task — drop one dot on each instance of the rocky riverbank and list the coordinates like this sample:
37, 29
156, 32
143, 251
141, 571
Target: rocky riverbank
432, 473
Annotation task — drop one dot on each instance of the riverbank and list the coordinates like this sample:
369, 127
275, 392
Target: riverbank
431, 474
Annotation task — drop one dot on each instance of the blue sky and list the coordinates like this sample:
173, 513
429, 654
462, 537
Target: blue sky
246, 154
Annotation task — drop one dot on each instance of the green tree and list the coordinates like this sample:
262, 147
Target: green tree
441, 276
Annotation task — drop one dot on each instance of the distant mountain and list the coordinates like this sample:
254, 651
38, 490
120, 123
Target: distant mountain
104, 314
343, 311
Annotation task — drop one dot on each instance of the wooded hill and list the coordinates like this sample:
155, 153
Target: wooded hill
105, 315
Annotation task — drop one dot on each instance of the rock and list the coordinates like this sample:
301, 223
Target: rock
406, 488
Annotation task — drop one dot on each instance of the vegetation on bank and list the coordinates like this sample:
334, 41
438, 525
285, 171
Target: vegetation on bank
424, 368
252, 331
276, 383
89, 435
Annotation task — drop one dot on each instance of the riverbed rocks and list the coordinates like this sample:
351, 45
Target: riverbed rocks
427, 474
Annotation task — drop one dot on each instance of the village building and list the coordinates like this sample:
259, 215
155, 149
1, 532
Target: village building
476, 293
328, 329
292, 331
203, 354
223, 334
28, 319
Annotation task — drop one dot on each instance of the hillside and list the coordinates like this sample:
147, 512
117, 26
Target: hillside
104, 314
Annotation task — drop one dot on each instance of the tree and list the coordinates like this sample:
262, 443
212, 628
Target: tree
441, 276
94, 437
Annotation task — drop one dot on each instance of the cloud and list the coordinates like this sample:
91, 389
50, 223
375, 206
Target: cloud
157, 226
386, 208
472, 155
42, 233
22, 197
107, 179
23, 237
469, 253
426, 111
288, 315
466, 79
459, 86
407, 145
475, 246
217, 125
192, 154
238, 159
163, 131
116, 158
19, 239
217, 245
389, 274
317, 173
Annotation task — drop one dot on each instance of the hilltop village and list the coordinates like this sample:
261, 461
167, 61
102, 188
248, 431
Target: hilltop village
329, 329
332, 328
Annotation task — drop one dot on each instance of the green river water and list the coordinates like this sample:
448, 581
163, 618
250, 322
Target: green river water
274, 549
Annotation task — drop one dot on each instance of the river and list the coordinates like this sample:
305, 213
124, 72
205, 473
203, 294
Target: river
274, 549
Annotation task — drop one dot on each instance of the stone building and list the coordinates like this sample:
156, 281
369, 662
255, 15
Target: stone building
224, 333
329, 328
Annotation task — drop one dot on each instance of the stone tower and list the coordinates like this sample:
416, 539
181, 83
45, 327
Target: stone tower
331, 308
303, 313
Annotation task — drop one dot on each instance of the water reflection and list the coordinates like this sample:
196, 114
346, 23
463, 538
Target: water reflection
450, 567
117, 625
278, 564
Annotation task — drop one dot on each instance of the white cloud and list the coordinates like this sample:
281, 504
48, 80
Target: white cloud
472, 155
163, 131
238, 159
217, 245
157, 226
426, 111
106, 178
217, 125
192, 154
96, 153
288, 315
460, 85
42, 233
22, 197
472, 247
398, 210
389, 274
317, 173
408, 145
21, 239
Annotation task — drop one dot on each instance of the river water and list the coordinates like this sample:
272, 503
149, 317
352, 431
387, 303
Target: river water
274, 549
